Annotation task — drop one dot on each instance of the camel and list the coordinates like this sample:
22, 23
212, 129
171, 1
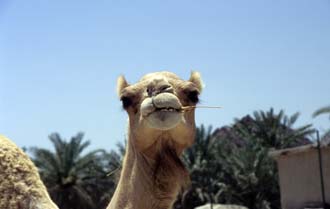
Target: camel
20, 183
158, 132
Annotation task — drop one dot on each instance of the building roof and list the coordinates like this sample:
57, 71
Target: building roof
324, 143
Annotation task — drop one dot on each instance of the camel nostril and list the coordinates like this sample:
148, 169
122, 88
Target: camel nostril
164, 88
150, 91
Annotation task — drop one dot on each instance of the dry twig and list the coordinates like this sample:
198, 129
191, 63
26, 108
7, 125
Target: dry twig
189, 108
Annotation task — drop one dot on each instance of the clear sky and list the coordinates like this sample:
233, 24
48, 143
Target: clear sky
59, 61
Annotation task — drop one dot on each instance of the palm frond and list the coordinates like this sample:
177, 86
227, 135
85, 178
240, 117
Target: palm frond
323, 110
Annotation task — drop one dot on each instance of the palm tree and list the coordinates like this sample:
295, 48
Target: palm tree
322, 110
205, 171
250, 174
273, 130
113, 167
231, 165
200, 161
74, 179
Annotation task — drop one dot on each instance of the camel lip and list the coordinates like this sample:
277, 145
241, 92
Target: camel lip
163, 118
163, 103
167, 109
163, 110
166, 101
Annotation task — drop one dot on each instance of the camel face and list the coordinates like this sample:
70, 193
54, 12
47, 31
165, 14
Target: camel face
154, 105
159, 130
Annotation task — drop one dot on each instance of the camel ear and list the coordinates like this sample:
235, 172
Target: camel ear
195, 78
121, 84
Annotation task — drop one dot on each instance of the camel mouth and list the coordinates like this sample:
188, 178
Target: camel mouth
162, 111
164, 119
167, 109
164, 102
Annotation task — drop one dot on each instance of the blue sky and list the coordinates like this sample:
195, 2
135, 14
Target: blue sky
59, 61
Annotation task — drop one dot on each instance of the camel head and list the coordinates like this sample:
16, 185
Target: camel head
154, 106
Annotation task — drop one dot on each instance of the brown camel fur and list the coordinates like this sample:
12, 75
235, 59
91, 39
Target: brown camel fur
158, 132
20, 183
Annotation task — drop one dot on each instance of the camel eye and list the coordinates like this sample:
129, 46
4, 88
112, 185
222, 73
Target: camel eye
193, 96
127, 101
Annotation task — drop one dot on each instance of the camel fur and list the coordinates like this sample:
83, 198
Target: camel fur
20, 183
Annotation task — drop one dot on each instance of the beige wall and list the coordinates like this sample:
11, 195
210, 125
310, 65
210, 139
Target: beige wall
300, 178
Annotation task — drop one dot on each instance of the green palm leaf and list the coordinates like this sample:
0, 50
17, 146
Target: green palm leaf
323, 110
74, 179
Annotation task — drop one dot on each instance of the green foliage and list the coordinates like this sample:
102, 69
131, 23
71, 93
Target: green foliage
249, 176
199, 159
74, 179
322, 110
231, 165
273, 130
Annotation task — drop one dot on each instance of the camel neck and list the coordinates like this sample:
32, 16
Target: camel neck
147, 183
